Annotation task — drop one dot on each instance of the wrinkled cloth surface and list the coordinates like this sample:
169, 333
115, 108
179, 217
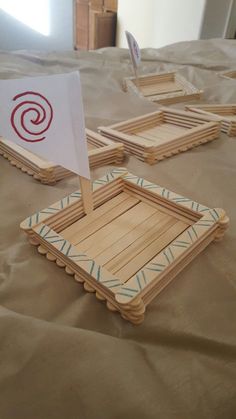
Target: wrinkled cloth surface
62, 353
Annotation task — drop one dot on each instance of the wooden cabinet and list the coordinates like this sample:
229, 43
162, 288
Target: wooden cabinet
95, 23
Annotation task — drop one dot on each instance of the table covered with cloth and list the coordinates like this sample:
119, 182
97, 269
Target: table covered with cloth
62, 353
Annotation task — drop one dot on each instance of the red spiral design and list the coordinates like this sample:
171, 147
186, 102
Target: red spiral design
22, 121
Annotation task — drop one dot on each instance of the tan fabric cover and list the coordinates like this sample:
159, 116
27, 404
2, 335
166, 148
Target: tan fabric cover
63, 354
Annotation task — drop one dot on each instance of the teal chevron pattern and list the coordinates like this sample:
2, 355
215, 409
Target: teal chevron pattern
80, 259
46, 213
156, 266
165, 193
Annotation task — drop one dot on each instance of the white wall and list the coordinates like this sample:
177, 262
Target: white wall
16, 35
156, 23
216, 18
231, 29
138, 18
178, 20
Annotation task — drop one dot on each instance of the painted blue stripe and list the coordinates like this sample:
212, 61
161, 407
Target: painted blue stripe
112, 286
63, 246
180, 199
124, 294
45, 235
158, 264
169, 248
99, 273
129, 289
193, 229
190, 236
155, 269
167, 257
138, 281
182, 242
92, 267
75, 195
57, 241
144, 277
46, 212
68, 250
205, 224
109, 280
41, 230
52, 237
152, 187
179, 245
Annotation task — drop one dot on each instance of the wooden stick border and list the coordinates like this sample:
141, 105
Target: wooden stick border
189, 92
108, 152
129, 298
226, 114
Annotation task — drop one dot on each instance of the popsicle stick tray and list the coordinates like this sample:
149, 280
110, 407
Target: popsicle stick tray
161, 134
138, 238
101, 151
163, 88
225, 113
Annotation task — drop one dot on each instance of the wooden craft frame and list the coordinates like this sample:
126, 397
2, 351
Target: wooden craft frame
161, 134
150, 253
225, 113
101, 151
164, 88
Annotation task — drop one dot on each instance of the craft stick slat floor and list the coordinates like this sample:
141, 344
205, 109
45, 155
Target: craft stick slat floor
161, 133
161, 88
124, 234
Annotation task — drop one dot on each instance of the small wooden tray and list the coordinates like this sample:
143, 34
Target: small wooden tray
163, 88
101, 151
161, 134
226, 114
229, 74
137, 239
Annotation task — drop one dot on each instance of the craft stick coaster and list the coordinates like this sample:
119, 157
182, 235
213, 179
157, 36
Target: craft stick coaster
225, 113
161, 134
138, 238
101, 151
163, 88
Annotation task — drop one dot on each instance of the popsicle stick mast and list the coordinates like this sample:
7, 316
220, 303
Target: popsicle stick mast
132, 45
86, 194
136, 76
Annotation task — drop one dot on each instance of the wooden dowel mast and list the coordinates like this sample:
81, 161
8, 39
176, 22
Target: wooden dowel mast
136, 76
86, 194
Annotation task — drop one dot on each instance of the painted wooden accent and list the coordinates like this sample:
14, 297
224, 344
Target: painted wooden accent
163, 88
138, 238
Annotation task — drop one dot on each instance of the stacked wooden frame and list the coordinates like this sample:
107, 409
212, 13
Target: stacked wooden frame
101, 151
161, 134
226, 114
163, 88
138, 238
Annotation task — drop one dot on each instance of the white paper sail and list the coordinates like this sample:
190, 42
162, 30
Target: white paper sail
134, 49
45, 115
